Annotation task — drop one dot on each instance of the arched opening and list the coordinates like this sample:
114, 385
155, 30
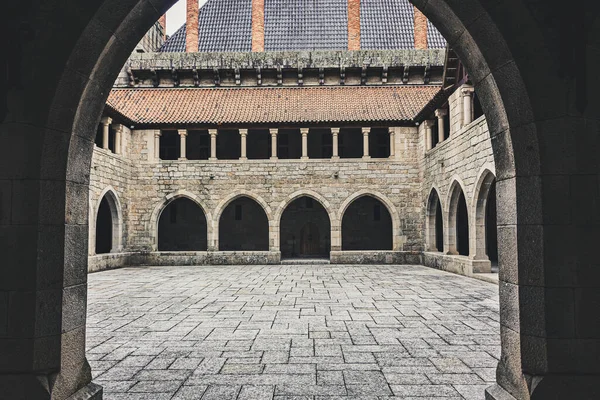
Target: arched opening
305, 229
435, 224
182, 227
491, 227
462, 225
104, 228
367, 225
243, 225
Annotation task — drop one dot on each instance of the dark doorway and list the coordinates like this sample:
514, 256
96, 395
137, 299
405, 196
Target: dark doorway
367, 225
462, 226
104, 228
182, 227
491, 233
439, 228
243, 226
305, 230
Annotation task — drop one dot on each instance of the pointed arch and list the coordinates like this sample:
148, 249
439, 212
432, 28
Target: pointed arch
396, 245
108, 208
434, 223
262, 227
457, 232
168, 199
485, 242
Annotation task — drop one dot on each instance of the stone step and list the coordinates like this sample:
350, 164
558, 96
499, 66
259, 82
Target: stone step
304, 261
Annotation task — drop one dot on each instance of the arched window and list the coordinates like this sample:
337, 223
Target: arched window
243, 225
305, 229
182, 227
104, 228
367, 225
435, 223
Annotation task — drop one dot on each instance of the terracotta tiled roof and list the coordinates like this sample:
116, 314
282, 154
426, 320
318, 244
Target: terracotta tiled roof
213, 106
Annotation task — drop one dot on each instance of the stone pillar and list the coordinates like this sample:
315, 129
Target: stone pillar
365, 132
428, 135
106, 121
157, 135
183, 144
243, 134
213, 144
335, 132
274, 132
118, 138
392, 132
304, 132
467, 93
440, 114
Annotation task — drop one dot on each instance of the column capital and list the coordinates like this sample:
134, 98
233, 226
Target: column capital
304, 131
429, 123
366, 130
274, 131
106, 121
117, 127
335, 131
391, 130
441, 112
467, 91
213, 132
157, 133
243, 132
182, 132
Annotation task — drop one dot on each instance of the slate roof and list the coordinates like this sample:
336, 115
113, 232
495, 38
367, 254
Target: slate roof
216, 106
226, 25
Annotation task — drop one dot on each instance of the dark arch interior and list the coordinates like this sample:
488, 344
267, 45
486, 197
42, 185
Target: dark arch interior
367, 225
462, 226
491, 232
439, 227
244, 226
104, 228
305, 229
182, 227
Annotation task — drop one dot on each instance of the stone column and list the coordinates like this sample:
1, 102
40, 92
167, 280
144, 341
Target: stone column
440, 114
274, 132
304, 132
335, 132
392, 132
428, 135
183, 144
467, 93
243, 134
106, 121
157, 135
213, 144
365, 132
118, 138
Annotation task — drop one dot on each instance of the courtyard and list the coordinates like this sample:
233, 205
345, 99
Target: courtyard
306, 331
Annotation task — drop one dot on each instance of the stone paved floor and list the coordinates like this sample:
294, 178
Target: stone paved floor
291, 332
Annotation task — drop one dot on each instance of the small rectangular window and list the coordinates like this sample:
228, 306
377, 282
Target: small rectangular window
376, 212
238, 212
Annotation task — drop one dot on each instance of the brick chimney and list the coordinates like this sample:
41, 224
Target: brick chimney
420, 30
258, 25
353, 24
191, 29
163, 23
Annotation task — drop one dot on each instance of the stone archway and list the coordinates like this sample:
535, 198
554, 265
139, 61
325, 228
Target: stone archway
434, 229
457, 221
182, 226
109, 219
367, 225
532, 91
485, 241
243, 225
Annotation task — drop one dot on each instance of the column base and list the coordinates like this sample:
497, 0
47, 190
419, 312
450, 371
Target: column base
335, 158
366, 157
212, 159
89, 392
182, 159
304, 158
274, 158
243, 158
496, 392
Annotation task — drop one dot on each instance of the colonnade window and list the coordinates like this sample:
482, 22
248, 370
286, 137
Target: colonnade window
170, 148
379, 143
289, 144
243, 226
477, 109
259, 144
198, 145
320, 143
305, 229
367, 225
99, 140
228, 144
182, 227
351, 143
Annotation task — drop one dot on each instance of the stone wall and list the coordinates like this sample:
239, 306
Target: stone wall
463, 161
